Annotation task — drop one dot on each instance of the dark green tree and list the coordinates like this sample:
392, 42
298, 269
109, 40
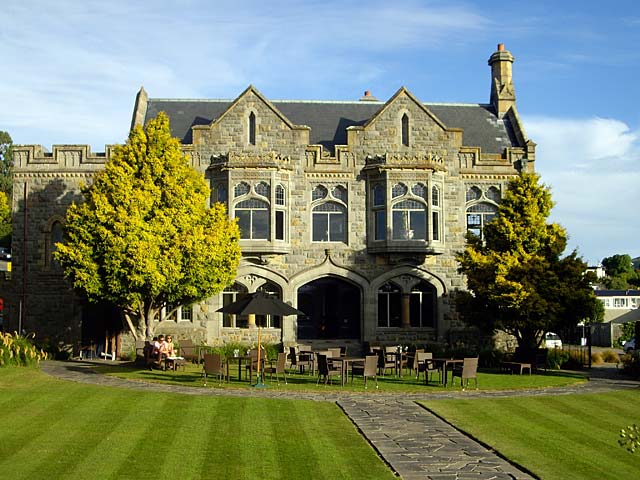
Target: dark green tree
517, 280
620, 272
6, 163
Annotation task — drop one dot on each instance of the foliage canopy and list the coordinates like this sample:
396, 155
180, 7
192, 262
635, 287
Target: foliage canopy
144, 239
517, 281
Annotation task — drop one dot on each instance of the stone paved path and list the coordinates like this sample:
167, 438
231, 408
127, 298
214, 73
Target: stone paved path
414, 442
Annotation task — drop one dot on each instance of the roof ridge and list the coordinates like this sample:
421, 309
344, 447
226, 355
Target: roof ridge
330, 102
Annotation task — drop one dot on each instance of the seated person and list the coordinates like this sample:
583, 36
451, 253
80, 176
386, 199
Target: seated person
171, 352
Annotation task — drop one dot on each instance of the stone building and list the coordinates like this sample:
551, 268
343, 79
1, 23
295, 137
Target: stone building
352, 211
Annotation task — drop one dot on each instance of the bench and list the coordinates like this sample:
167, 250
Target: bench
514, 367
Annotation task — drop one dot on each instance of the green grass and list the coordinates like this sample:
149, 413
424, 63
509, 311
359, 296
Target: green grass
56, 429
555, 437
487, 380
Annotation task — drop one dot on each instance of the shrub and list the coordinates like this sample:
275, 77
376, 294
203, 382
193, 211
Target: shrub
631, 364
557, 358
596, 358
16, 350
609, 356
575, 359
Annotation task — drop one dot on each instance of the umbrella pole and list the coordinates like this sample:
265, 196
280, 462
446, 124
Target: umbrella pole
259, 382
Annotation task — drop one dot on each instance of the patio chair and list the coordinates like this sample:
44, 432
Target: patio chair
188, 350
468, 370
324, 370
278, 368
252, 365
426, 364
386, 359
368, 370
213, 365
413, 365
300, 360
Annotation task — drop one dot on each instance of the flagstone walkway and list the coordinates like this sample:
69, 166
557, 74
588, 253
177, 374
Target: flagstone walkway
413, 441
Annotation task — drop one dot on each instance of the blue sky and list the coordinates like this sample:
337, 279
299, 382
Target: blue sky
71, 69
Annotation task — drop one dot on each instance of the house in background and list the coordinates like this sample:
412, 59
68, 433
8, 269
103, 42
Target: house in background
352, 211
620, 306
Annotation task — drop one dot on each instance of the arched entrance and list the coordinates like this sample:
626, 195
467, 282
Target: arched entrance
332, 306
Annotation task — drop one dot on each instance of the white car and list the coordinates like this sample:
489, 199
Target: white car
552, 340
629, 345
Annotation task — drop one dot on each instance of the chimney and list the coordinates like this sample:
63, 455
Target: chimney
503, 95
368, 97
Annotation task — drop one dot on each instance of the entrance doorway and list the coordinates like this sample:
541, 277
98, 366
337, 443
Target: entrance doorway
332, 308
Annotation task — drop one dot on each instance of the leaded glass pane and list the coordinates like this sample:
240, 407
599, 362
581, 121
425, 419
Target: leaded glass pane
222, 193
418, 225
280, 195
435, 196
408, 205
493, 194
419, 190
398, 190
320, 227
473, 193
329, 207
340, 193
262, 188
336, 227
244, 223
435, 225
482, 208
260, 225
252, 203
318, 193
279, 225
380, 225
240, 189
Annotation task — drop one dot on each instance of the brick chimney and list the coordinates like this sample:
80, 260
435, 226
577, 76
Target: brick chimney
367, 97
503, 95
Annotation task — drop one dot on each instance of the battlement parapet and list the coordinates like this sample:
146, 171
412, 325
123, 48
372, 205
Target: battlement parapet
63, 157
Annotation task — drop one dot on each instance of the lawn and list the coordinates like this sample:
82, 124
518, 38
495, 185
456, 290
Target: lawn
56, 429
487, 380
555, 437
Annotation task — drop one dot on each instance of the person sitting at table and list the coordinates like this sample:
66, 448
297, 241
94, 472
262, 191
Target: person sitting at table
170, 348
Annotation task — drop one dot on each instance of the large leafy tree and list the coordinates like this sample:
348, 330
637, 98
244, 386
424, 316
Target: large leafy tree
144, 239
516, 277
620, 272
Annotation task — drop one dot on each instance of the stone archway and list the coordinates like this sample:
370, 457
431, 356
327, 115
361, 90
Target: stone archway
333, 308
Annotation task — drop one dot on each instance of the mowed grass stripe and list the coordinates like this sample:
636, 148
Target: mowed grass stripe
569, 436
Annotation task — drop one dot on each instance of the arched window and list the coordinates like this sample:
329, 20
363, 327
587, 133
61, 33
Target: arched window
474, 193
493, 194
435, 213
253, 219
252, 128
270, 321
422, 305
409, 220
478, 215
329, 222
230, 295
405, 130
389, 305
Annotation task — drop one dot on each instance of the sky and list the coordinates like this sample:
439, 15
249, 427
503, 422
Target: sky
72, 68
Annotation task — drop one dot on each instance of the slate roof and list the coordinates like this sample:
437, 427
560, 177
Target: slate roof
329, 120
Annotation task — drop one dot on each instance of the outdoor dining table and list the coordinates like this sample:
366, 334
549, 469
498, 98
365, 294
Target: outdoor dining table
345, 361
240, 359
443, 364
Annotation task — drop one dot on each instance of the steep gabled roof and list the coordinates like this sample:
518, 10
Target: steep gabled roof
329, 119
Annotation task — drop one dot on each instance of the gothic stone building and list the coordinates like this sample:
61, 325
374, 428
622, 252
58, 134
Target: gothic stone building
352, 211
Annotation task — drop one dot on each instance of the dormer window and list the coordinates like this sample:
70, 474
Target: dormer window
405, 130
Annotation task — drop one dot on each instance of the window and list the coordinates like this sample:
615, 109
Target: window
230, 295
479, 215
389, 305
474, 193
329, 222
252, 128
435, 213
620, 302
493, 194
329, 214
422, 305
186, 313
253, 219
222, 194
240, 189
409, 219
405, 130
270, 321
419, 190
398, 190
379, 212
280, 212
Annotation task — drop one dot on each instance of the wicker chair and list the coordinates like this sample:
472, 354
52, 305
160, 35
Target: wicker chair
468, 371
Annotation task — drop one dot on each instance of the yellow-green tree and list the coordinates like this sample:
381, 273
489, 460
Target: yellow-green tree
144, 238
516, 277
5, 220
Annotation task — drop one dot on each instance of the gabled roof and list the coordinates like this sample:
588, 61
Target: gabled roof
329, 120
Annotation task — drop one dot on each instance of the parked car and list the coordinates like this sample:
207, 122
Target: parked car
5, 253
629, 345
552, 340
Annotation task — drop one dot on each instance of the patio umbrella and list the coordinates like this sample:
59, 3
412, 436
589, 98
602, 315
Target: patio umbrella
259, 303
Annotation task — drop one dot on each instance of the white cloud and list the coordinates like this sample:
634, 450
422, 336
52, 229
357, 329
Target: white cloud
593, 168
